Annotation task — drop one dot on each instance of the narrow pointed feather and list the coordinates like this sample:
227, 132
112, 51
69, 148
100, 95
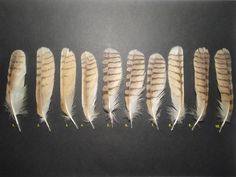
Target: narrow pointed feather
225, 85
111, 82
156, 81
201, 74
89, 86
176, 82
67, 83
134, 84
15, 91
44, 82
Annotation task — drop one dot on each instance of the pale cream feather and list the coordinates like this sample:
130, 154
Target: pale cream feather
67, 83
156, 82
45, 82
176, 82
89, 86
225, 85
112, 72
201, 75
15, 91
134, 84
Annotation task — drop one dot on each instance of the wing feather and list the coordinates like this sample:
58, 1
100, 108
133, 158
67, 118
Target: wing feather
45, 82
134, 83
111, 82
176, 82
15, 91
156, 81
225, 85
89, 86
67, 83
201, 74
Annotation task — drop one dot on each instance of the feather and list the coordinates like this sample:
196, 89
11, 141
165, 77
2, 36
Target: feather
89, 86
112, 79
176, 82
44, 82
16, 89
156, 81
67, 83
134, 84
225, 86
201, 74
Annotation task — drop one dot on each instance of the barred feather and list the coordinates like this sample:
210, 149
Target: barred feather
225, 86
176, 82
15, 91
156, 81
45, 82
111, 82
134, 83
89, 86
67, 83
201, 74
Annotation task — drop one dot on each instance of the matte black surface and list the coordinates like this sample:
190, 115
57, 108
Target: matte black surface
124, 25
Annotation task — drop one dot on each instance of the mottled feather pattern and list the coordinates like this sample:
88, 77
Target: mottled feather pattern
67, 83
89, 86
156, 82
112, 75
44, 82
176, 83
201, 74
225, 86
134, 83
15, 91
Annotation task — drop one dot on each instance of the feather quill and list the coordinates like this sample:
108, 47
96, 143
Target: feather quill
89, 86
176, 82
225, 86
45, 82
156, 81
201, 74
134, 84
15, 91
67, 83
111, 82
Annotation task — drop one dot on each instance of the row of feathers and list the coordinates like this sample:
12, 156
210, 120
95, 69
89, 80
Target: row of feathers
157, 75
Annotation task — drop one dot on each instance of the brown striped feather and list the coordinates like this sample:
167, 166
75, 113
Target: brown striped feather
67, 83
201, 73
89, 86
134, 83
225, 85
176, 82
15, 91
156, 81
112, 71
45, 82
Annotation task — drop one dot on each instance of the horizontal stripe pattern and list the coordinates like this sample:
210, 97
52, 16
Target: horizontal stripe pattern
135, 74
201, 70
112, 73
224, 75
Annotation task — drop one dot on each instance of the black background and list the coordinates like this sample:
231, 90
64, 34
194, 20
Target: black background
124, 25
